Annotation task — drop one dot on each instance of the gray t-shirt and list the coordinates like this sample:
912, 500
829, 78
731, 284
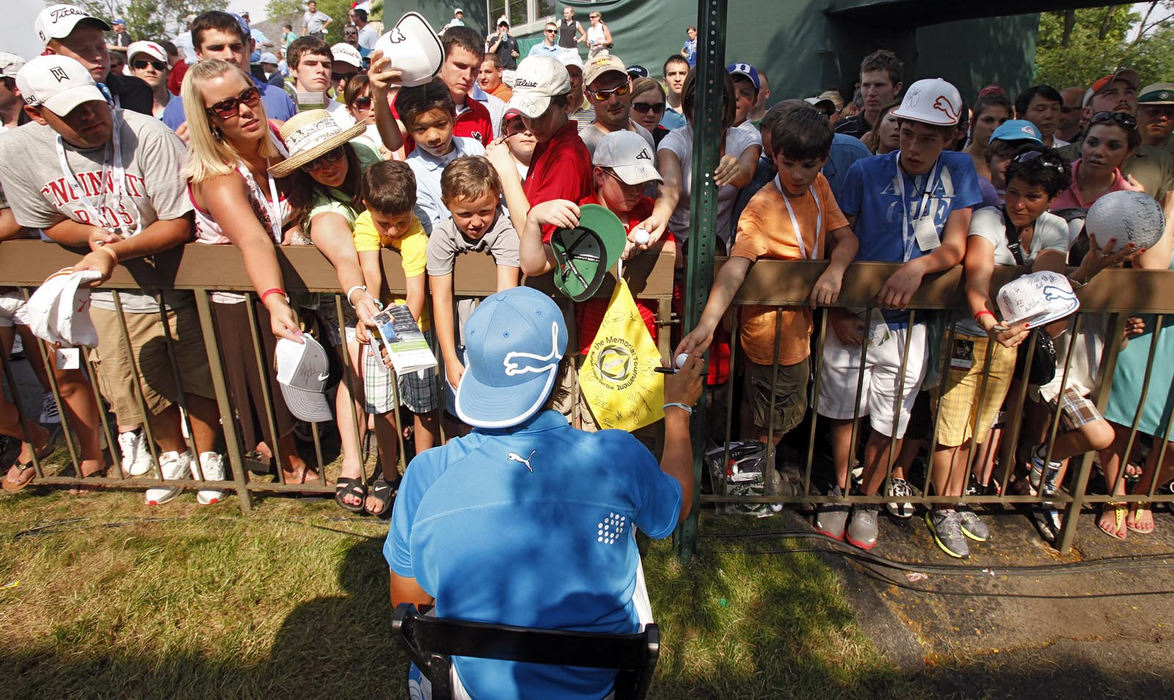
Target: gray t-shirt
446, 242
1051, 233
592, 135
40, 194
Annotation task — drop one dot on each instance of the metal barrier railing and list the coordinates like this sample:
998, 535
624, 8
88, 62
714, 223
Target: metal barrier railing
778, 284
1114, 294
206, 269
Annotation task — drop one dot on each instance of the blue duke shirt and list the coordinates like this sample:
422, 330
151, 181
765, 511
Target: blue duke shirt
532, 526
885, 219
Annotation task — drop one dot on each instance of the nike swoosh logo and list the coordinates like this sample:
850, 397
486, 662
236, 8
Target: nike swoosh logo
324, 376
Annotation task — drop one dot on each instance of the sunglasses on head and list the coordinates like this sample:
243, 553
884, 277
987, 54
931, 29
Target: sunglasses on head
646, 107
363, 102
141, 64
1048, 160
1127, 121
230, 106
324, 159
604, 95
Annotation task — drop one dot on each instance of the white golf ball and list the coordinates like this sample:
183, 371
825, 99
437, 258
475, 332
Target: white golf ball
681, 359
641, 237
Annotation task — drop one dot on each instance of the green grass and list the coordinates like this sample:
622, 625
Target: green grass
115, 599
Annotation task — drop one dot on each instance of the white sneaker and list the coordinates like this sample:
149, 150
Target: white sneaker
136, 458
173, 465
212, 465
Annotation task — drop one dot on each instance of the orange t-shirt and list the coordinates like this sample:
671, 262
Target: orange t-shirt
765, 231
502, 91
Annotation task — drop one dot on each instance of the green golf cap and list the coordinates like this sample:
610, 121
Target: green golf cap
585, 253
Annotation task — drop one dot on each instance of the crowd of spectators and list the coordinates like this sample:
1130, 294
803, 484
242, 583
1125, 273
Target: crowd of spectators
499, 151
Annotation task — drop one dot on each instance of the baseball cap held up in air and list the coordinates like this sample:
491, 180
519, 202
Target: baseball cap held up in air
514, 342
584, 254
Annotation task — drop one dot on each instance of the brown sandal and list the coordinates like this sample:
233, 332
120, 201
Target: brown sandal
26, 472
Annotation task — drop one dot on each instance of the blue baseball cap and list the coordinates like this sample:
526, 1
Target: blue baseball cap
1017, 130
747, 70
513, 344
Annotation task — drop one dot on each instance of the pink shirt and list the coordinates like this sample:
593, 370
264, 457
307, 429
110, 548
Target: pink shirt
1070, 198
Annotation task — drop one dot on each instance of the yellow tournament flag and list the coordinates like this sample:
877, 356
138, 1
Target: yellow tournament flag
618, 378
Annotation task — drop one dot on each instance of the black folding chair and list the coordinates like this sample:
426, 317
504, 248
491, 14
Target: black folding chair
431, 642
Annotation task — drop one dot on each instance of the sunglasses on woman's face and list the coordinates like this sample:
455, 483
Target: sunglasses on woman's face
230, 106
363, 102
1127, 121
141, 64
325, 159
646, 107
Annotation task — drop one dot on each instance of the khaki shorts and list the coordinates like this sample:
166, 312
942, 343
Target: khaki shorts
963, 385
149, 345
786, 404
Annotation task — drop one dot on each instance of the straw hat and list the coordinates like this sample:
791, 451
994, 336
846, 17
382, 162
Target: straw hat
310, 134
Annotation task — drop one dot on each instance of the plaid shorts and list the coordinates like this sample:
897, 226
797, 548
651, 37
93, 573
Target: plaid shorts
419, 391
1075, 409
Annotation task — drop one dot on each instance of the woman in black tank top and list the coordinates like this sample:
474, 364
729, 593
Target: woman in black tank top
568, 29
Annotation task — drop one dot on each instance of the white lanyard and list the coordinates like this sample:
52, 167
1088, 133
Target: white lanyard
273, 204
908, 236
795, 222
119, 183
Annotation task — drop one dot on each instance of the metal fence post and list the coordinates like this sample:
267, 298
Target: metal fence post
707, 139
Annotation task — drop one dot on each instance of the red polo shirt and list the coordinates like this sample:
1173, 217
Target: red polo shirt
559, 169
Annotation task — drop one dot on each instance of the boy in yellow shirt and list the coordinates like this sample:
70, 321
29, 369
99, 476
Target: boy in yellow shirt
388, 190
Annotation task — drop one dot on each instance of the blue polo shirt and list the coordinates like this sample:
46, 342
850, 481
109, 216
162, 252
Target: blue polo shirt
428, 170
871, 192
845, 151
277, 106
532, 526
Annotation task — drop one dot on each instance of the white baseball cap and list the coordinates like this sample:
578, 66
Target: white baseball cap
58, 83
628, 155
1039, 298
150, 48
59, 311
10, 64
345, 53
303, 371
571, 58
58, 22
931, 101
538, 79
268, 57
414, 48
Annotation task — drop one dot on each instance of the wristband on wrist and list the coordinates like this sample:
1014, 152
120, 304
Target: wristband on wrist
351, 291
274, 290
683, 406
109, 251
984, 312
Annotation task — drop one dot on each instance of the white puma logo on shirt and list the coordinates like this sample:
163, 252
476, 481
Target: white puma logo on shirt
515, 457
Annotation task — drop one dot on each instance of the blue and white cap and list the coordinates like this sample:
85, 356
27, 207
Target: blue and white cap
1017, 130
514, 342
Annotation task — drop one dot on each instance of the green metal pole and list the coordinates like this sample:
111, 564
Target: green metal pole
707, 140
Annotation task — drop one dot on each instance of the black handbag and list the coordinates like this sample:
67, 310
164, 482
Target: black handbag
1043, 360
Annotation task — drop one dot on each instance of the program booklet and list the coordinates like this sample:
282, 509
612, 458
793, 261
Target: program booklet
405, 342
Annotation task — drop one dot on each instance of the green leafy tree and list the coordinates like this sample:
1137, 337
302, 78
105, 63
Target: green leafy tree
150, 19
1076, 46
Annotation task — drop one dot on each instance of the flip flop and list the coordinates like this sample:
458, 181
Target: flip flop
385, 492
1119, 511
350, 486
26, 471
1131, 520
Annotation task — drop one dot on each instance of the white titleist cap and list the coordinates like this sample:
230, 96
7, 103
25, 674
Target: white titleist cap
58, 22
538, 79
